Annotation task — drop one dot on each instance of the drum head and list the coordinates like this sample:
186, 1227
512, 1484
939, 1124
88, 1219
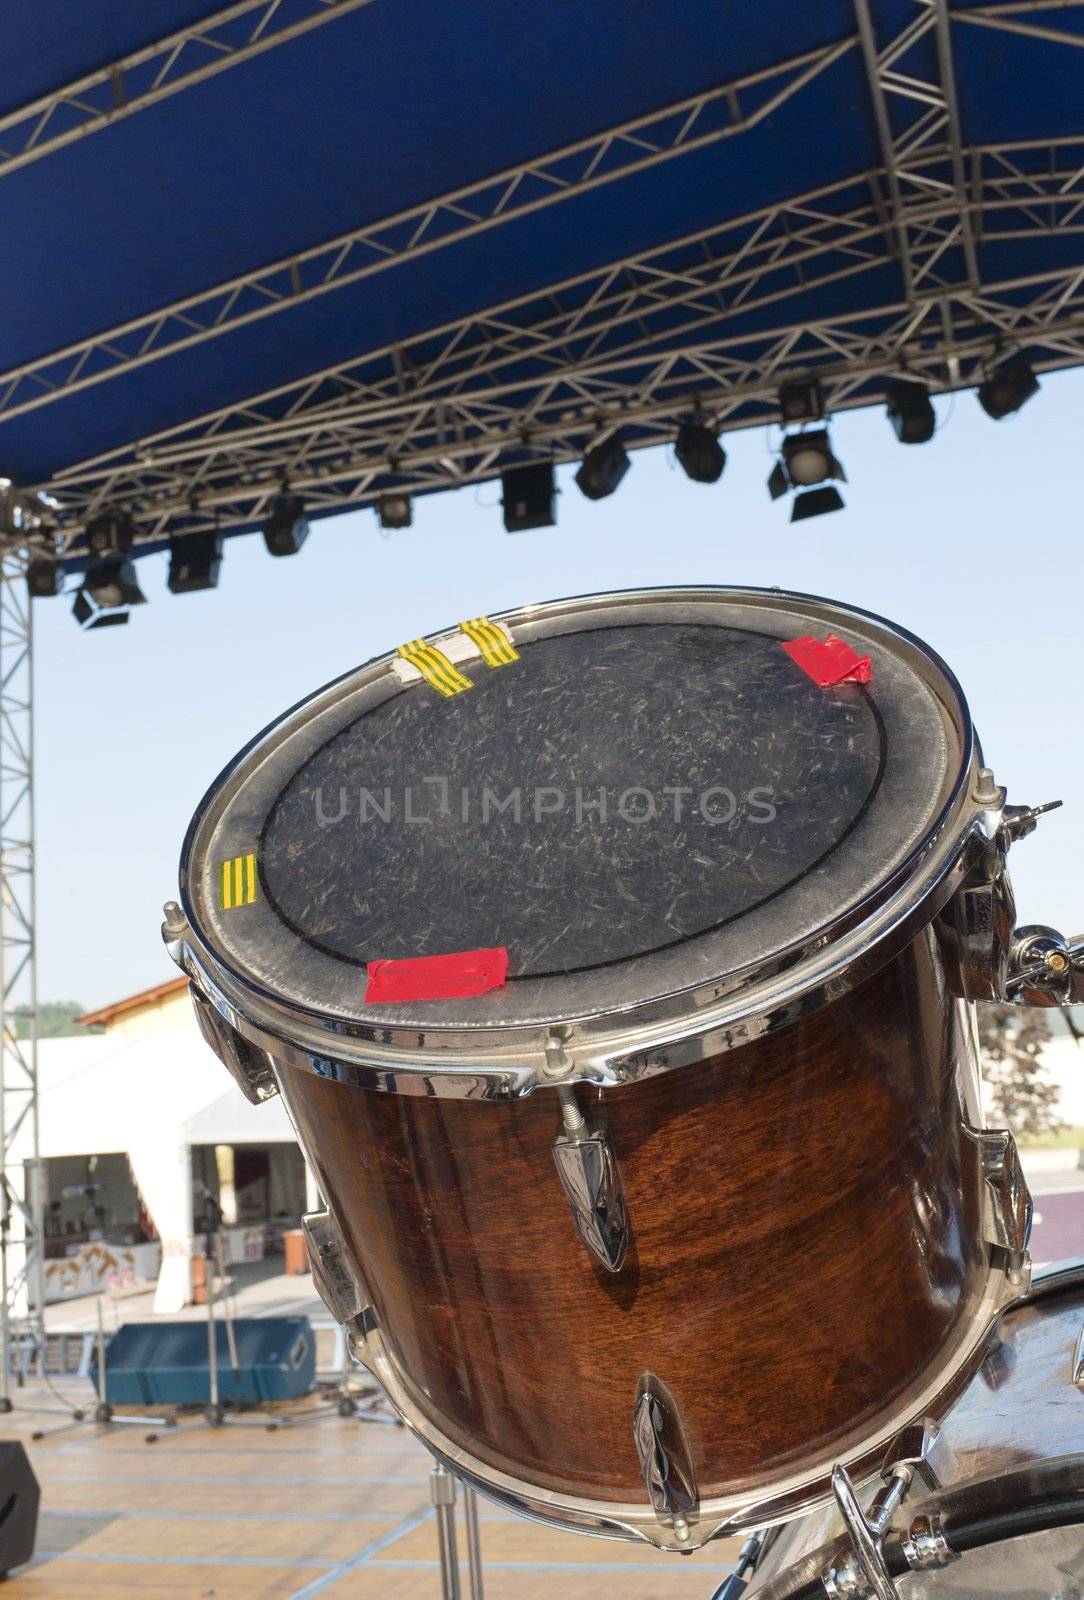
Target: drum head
651, 795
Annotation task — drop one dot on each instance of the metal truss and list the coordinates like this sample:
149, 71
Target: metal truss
1012, 17
704, 323
914, 104
711, 322
145, 77
575, 169
21, 1188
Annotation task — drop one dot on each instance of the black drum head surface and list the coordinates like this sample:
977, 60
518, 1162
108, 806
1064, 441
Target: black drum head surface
611, 793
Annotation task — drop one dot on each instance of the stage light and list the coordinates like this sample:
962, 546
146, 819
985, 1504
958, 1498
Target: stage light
287, 527
602, 468
43, 577
815, 502
87, 618
808, 458
395, 509
112, 533
112, 583
910, 411
1007, 388
698, 450
194, 562
801, 400
528, 497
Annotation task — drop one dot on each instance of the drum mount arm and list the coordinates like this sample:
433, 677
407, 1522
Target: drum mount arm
987, 956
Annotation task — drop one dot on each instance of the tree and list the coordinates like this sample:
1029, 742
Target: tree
56, 1020
1020, 1094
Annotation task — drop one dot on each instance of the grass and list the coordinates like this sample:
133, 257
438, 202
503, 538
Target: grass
1053, 1139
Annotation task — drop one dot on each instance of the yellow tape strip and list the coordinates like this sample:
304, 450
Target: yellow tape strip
494, 646
435, 667
238, 882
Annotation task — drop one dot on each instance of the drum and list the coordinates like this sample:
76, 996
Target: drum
1007, 1464
614, 960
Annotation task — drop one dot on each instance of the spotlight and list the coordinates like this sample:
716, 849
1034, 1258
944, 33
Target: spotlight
194, 562
801, 400
815, 502
112, 583
808, 458
287, 528
910, 411
43, 578
1007, 388
83, 612
602, 468
701, 455
528, 496
112, 533
395, 509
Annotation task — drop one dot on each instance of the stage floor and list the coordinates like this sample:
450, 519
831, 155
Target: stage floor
329, 1506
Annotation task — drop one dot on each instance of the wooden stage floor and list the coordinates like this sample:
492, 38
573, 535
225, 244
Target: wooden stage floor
329, 1506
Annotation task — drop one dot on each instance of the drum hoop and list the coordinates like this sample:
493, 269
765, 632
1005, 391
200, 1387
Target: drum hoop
717, 1518
634, 1041
483, 1067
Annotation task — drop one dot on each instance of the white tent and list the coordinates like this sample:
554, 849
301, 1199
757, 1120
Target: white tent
151, 1096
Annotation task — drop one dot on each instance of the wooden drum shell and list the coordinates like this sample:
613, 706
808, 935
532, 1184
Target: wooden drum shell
807, 1250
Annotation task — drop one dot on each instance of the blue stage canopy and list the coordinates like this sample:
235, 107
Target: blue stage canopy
353, 245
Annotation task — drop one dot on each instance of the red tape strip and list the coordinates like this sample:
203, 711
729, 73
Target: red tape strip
451, 977
829, 660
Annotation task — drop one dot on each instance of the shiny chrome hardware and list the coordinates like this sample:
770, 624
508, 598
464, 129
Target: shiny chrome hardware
986, 956
665, 1457
861, 1573
1078, 1361
987, 791
924, 1450
1018, 821
1009, 1199
1045, 968
248, 1065
335, 1279
556, 1062
924, 1545
590, 1176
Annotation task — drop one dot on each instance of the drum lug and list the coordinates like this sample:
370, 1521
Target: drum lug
1009, 1199
665, 1458
591, 1178
247, 1065
975, 928
335, 1281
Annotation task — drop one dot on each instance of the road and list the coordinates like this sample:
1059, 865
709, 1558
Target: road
1058, 1232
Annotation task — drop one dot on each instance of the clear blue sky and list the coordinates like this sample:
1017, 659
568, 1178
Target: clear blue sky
975, 542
